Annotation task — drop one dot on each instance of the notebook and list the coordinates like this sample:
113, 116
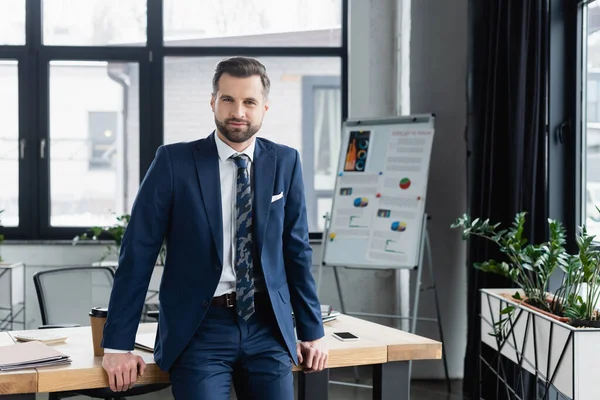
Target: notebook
31, 354
145, 341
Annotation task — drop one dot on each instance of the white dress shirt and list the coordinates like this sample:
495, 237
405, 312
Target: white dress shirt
228, 175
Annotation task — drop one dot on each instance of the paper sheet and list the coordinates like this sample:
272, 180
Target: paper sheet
355, 201
396, 229
396, 226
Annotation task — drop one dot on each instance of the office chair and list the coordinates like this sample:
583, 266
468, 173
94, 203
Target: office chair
66, 297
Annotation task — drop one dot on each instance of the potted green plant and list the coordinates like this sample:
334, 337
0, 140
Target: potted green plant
528, 265
115, 233
580, 290
536, 329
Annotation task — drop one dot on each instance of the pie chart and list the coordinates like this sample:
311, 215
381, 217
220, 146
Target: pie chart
398, 226
361, 202
404, 183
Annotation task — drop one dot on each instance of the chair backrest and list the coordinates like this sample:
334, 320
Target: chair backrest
66, 295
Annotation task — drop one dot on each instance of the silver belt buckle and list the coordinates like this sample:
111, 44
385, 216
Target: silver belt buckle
228, 302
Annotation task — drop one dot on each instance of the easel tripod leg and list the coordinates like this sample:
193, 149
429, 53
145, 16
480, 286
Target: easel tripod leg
437, 309
339, 289
418, 281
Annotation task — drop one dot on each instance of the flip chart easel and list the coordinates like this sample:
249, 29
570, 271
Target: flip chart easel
378, 218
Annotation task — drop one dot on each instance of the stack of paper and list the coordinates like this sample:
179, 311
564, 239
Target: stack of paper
333, 315
328, 314
30, 355
145, 341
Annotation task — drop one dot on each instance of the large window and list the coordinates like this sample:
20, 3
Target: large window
321, 142
94, 22
89, 92
591, 117
9, 143
93, 142
259, 23
12, 22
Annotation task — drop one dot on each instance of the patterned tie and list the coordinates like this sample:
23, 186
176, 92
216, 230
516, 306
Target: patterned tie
243, 241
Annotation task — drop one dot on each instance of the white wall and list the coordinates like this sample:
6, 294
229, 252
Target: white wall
438, 68
438, 85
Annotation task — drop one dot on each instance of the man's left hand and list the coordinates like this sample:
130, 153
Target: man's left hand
313, 355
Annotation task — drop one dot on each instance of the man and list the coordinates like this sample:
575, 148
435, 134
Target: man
232, 210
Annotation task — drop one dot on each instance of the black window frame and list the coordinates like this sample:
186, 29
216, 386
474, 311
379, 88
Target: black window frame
564, 124
567, 74
33, 59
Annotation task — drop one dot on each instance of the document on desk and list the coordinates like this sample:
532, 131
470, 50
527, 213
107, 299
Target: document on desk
145, 341
32, 354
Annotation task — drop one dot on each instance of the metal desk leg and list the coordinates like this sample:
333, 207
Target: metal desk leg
27, 396
391, 381
313, 386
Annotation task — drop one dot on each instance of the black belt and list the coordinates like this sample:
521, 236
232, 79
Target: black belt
228, 299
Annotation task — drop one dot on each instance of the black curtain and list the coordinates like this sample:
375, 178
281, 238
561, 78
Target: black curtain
507, 150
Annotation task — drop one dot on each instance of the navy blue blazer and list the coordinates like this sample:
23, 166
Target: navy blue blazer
179, 200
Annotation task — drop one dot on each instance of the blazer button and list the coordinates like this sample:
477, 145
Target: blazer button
217, 268
205, 303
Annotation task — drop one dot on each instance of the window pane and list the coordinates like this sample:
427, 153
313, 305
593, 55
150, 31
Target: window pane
9, 143
188, 115
12, 22
94, 22
94, 141
591, 197
327, 135
264, 23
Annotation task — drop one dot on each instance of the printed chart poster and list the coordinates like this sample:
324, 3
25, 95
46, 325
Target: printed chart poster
395, 231
355, 201
406, 165
357, 152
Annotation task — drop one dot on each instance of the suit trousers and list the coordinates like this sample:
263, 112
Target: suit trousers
227, 349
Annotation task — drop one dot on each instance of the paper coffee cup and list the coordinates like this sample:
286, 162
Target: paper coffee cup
98, 319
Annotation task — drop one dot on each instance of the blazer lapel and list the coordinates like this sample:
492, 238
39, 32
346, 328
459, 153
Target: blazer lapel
263, 172
207, 165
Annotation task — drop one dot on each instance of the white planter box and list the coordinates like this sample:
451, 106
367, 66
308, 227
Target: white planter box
568, 357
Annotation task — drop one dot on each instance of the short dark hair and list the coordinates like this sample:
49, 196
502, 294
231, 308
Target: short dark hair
241, 67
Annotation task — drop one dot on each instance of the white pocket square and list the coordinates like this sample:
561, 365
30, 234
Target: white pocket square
277, 197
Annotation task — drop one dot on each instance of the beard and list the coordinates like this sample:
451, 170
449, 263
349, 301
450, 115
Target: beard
236, 134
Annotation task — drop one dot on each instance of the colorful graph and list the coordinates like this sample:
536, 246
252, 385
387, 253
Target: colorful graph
361, 202
357, 152
404, 183
384, 213
398, 226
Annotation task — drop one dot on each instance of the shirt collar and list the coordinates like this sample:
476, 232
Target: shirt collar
225, 151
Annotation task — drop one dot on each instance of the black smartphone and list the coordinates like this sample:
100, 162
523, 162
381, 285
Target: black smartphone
344, 336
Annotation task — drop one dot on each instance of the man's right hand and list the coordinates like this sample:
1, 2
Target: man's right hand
123, 370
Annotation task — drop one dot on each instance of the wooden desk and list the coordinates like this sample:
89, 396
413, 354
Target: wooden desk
23, 381
390, 350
